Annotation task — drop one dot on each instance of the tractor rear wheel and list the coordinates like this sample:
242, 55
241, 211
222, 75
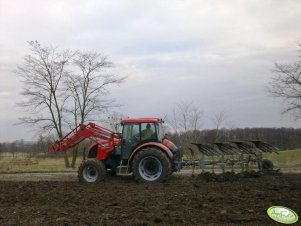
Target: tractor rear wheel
151, 165
91, 171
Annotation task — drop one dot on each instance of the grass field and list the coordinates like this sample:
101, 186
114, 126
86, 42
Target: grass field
25, 164
22, 163
285, 158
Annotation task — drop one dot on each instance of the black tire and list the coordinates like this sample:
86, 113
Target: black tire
91, 171
151, 165
267, 164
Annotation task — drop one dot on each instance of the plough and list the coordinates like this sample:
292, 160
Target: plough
241, 153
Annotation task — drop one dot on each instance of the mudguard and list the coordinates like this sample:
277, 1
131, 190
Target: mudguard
96, 151
152, 144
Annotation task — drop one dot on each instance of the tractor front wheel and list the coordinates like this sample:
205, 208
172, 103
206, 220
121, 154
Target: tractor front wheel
151, 165
91, 171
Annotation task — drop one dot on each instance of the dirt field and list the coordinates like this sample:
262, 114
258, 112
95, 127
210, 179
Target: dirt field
183, 200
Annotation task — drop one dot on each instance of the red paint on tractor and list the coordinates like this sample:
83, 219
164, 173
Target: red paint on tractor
152, 144
102, 153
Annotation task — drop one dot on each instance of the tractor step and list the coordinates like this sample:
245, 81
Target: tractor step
122, 170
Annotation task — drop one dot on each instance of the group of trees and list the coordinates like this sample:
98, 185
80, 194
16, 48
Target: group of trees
62, 88
15, 148
185, 124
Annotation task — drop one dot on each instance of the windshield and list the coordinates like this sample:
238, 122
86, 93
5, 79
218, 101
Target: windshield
159, 130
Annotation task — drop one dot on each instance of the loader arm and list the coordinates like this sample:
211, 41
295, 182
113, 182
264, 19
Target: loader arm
97, 134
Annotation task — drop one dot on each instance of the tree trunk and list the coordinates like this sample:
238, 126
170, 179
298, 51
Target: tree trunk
67, 163
74, 157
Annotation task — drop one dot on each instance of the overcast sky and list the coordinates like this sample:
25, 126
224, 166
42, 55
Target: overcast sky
218, 54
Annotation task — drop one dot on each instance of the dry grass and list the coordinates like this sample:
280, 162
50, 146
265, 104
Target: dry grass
25, 163
285, 158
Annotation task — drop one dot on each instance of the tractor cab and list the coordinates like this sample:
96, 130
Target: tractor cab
136, 132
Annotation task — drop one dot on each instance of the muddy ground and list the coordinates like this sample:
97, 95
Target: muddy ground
182, 200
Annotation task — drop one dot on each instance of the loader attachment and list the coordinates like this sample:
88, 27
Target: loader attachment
104, 137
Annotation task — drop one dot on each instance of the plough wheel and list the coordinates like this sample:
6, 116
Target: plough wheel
267, 164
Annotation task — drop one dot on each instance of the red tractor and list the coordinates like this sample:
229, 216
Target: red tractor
141, 149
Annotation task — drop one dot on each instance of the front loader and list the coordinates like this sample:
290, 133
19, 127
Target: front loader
141, 149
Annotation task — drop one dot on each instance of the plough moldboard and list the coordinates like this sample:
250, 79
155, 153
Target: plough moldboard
233, 153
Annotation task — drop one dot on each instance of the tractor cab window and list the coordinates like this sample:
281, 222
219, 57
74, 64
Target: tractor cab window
130, 138
160, 132
135, 133
148, 131
131, 131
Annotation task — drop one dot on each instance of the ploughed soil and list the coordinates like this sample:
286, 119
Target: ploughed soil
204, 199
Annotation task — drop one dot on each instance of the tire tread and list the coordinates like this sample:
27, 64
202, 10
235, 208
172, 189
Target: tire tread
150, 151
99, 165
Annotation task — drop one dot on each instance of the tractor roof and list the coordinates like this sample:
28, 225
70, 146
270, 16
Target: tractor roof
141, 120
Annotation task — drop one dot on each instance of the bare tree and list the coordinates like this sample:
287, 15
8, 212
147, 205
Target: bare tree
1, 151
42, 74
186, 117
185, 121
90, 85
218, 120
88, 89
56, 97
113, 121
286, 84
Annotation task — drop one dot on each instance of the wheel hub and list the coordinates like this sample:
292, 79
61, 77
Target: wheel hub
90, 174
150, 168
